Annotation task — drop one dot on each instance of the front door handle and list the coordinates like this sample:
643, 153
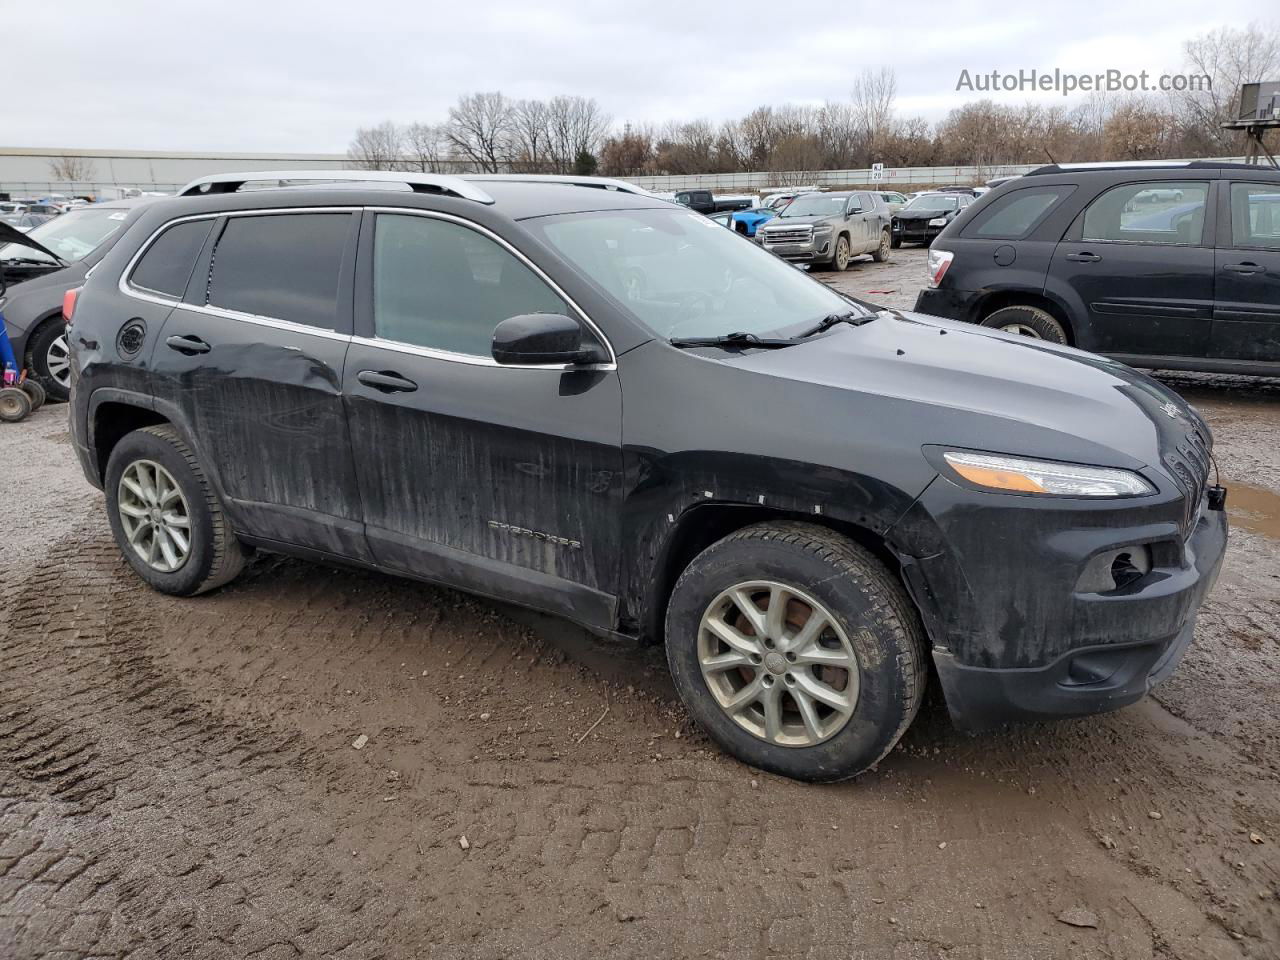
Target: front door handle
1246, 268
386, 381
1085, 257
189, 345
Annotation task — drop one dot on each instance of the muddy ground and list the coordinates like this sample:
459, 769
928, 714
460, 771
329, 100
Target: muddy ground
178, 778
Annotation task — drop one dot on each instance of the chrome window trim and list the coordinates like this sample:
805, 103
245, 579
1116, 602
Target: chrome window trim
140, 293
476, 360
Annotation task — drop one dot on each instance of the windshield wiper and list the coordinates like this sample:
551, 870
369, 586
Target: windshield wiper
733, 340
831, 319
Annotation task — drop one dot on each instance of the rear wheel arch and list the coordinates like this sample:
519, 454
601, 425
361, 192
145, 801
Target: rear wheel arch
111, 420
1019, 298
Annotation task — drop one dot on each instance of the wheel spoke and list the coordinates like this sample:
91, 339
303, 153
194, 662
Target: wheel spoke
174, 519
166, 547
755, 616
771, 699
822, 693
729, 635
152, 548
809, 633
180, 540
808, 714
725, 661
776, 615
744, 697
133, 487
827, 657
132, 510
136, 533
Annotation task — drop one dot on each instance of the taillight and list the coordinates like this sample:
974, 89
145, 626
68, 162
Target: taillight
69, 303
939, 261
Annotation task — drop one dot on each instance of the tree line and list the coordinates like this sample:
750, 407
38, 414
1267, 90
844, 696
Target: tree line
489, 132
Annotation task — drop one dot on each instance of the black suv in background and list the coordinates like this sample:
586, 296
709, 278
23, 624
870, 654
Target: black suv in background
602, 405
1166, 265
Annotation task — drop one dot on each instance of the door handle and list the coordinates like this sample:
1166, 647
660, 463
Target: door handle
386, 382
1245, 268
1085, 257
188, 345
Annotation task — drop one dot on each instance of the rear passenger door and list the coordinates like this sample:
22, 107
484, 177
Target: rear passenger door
253, 359
503, 480
1246, 316
1138, 266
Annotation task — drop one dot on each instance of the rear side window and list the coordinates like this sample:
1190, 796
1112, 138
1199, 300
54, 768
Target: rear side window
1015, 215
441, 285
283, 266
166, 266
1167, 211
1255, 215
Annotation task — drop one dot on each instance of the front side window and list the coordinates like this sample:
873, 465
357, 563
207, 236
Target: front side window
1168, 211
166, 266
1255, 215
441, 285
681, 275
283, 266
1016, 214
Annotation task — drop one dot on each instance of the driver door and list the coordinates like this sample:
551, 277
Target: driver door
503, 480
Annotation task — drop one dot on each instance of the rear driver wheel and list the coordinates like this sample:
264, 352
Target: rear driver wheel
1027, 321
796, 650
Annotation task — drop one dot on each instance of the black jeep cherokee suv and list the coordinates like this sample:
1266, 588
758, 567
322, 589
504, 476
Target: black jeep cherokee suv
607, 407
1167, 265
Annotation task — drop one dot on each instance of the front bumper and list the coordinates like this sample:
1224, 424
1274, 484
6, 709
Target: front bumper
818, 250
1020, 639
915, 231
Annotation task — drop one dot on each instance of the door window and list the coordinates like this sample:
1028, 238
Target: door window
166, 266
1165, 211
441, 285
284, 266
1255, 215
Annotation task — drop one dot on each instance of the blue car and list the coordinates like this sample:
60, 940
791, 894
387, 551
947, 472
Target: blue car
748, 221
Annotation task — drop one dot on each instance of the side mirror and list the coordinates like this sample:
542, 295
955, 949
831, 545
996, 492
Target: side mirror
541, 338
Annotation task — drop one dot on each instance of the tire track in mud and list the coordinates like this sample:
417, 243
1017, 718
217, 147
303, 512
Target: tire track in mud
177, 779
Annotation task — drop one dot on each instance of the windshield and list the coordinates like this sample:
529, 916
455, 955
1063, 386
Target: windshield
933, 201
72, 236
815, 205
681, 275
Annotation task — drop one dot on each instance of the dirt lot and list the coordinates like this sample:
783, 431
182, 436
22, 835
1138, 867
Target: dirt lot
178, 778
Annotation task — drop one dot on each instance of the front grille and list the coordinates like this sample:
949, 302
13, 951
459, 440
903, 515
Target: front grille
788, 234
1189, 463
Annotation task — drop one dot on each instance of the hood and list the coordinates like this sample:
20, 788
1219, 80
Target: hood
781, 221
990, 391
923, 214
11, 234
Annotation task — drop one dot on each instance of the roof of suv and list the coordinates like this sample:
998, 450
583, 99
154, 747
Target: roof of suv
1152, 165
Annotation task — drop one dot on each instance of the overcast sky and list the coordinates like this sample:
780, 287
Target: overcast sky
284, 75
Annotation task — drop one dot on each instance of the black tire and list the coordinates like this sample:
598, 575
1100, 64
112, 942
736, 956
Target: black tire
35, 391
881, 253
215, 555
15, 405
862, 596
44, 340
1027, 321
842, 255
896, 243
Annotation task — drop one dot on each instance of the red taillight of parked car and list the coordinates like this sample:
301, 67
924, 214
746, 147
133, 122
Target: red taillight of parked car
939, 261
69, 303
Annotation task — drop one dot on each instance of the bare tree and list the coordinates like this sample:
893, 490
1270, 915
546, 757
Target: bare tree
376, 148
531, 135
425, 147
480, 129
1138, 130
577, 125
628, 154
874, 92
1229, 57
71, 169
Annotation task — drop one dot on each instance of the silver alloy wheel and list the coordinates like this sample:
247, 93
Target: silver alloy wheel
778, 663
1022, 330
154, 515
842, 254
58, 359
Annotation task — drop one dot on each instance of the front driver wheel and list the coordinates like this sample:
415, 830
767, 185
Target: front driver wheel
1027, 321
796, 650
841, 259
881, 253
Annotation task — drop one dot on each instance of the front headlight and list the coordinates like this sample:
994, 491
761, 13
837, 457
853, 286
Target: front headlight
823, 229
938, 222
1015, 475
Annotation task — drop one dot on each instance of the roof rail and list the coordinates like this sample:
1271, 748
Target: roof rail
600, 183
418, 182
